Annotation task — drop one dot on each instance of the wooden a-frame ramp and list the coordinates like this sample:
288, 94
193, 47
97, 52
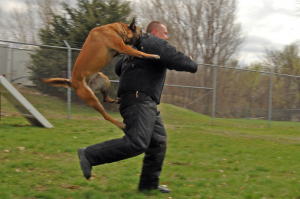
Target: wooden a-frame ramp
22, 105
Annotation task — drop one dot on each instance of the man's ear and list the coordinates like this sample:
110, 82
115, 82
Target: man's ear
132, 25
155, 31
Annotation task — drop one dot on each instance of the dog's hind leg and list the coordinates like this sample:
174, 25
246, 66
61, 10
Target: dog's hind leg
106, 98
100, 82
86, 94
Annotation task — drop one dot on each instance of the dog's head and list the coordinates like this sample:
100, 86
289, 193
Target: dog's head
133, 33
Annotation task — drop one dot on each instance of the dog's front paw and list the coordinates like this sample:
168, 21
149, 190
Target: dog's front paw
118, 101
156, 57
122, 125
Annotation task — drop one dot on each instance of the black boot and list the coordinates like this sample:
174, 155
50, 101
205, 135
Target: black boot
86, 167
163, 190
159, 188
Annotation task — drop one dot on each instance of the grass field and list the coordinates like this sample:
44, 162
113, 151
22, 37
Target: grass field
235, 158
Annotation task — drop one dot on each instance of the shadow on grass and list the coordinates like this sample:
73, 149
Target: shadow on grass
18, 125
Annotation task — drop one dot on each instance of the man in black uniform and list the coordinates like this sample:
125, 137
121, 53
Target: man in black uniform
140, 87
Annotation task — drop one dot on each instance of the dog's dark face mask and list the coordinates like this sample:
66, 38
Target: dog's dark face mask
137, 33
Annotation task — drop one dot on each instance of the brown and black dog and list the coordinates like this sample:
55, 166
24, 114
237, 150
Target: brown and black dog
101, 45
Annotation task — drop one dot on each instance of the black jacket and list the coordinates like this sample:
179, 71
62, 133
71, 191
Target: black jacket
148, 75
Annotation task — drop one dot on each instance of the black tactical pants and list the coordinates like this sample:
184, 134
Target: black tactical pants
144, 133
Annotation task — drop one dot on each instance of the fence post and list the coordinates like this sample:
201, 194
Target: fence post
214, 95
270, 99
12, 64
69, 77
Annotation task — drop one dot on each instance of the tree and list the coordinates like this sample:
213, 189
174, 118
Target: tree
2, 31
76, 24
73, 26
245, 93
286, 61
23, 23
18, 28
45, 11
298, 7
205, 29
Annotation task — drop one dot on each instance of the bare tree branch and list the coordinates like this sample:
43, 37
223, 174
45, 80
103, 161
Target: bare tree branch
205, 29
45, 7
24, 23
32, 22
18, 27
297, 7
2, 27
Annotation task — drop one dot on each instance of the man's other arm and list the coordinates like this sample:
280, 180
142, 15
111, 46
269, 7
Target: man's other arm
172, 58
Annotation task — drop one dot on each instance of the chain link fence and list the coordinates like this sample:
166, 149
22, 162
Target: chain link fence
216, 91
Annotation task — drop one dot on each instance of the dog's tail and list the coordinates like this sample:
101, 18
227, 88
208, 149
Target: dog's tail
58, 82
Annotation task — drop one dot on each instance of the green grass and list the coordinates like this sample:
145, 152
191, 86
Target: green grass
52, 107
235, 158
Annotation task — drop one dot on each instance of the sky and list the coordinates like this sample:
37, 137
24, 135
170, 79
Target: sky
265, 23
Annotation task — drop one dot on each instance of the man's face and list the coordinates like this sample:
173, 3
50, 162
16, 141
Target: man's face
161, 32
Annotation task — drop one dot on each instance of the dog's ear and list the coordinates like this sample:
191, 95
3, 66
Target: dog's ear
132, 25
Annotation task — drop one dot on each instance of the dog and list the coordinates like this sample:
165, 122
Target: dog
102, 44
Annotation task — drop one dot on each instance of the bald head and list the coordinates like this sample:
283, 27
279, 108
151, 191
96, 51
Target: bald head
157, 29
